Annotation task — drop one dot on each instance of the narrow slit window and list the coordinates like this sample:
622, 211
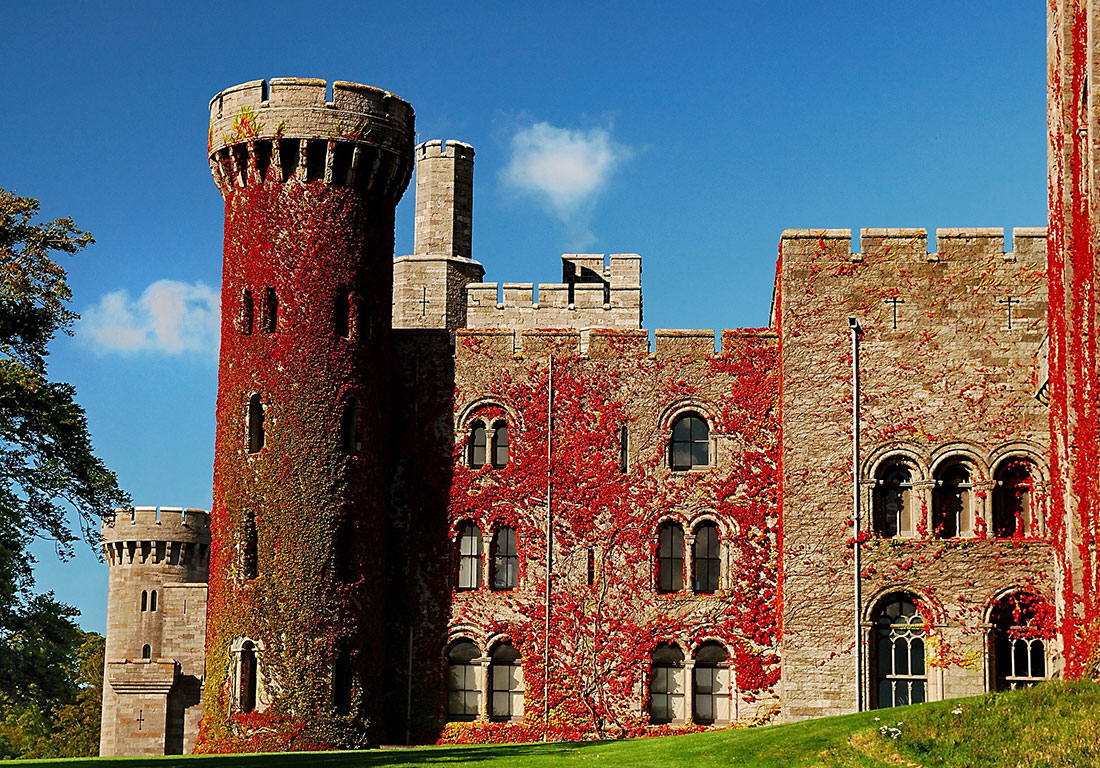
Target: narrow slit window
707, 557
342, 681
153, 600
249, 545
624, 447
341, 312
247, 682
271, 311
144, 600
255, 424
146, 652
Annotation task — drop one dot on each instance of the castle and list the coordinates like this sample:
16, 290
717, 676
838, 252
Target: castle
450, 510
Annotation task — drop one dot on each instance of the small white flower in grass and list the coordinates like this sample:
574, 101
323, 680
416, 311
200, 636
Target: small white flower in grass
957, 711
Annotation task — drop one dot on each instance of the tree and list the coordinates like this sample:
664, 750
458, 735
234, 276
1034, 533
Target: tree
47, 467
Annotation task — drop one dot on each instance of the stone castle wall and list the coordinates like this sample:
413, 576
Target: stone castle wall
950, 380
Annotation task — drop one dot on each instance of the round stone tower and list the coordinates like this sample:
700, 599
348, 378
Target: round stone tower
295, 638
156, 611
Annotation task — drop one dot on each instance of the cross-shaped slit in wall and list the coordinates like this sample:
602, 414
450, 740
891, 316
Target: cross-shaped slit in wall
894, 300
424, 301
1009, 303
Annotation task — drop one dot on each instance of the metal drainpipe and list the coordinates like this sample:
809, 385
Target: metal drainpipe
856, 331
549, 557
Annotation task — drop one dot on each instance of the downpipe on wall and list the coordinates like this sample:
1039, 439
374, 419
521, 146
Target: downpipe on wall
856, 331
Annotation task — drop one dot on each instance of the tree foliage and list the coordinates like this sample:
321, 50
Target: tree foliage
48, 473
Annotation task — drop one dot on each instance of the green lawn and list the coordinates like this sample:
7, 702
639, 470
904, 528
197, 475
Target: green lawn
1057, 724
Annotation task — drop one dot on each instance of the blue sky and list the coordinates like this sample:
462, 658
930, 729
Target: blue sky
692, 136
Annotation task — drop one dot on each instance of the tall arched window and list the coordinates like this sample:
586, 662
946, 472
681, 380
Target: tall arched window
711, 678
898, 655
670, 557
1018, 650
464, 694
247, 677
506, 683
469, 556
666, 684
342, 678
349, 426
505, 559
153, 600
271, 311
624, 450
706, 559
1013, 514
247, 312
146, 651
341, 312
500, 444
690, 444
144, 600
893, 513
952, 513
478, 441
255, 424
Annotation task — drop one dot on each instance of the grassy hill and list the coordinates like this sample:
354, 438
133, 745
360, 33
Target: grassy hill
1056, 724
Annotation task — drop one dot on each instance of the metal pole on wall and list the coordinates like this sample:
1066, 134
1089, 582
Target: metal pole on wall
549, 558
856, 331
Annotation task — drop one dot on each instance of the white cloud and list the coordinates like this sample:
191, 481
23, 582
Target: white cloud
565, 170
169, 317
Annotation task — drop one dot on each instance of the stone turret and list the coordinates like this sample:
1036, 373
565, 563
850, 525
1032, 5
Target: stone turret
430, 285
156, 626
301, 466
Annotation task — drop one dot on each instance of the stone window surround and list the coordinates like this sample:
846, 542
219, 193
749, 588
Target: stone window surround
688, 683
689, 527
482, 674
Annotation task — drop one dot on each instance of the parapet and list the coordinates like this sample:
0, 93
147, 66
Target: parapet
459, 150
593, 295
611, 344
158, 524
288, 128
904, 244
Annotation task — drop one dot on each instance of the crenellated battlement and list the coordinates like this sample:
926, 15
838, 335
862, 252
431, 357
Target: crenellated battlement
288, 128
459, 150
592, 295
171, 535
608, 344
912, 244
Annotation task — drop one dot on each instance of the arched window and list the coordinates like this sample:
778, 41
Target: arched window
893, 513
711, 678
469, 557
477, 445
898, 655
146, 652
349, 427
341, 312
342, 679
249, 545
465, 696
505, 559
506, 683
247, 312
666, 684
271, 311
144, 601
153, 600
1013, 514
952, 513
255, 424
670, 558
1016, 643
247, 677
500, 444
706, 559
690, 444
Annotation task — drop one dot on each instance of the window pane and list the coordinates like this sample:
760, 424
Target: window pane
700, 454
916, 657
918, 692
1038, 659
660, 680
901, 657
681, 455
1019, 658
